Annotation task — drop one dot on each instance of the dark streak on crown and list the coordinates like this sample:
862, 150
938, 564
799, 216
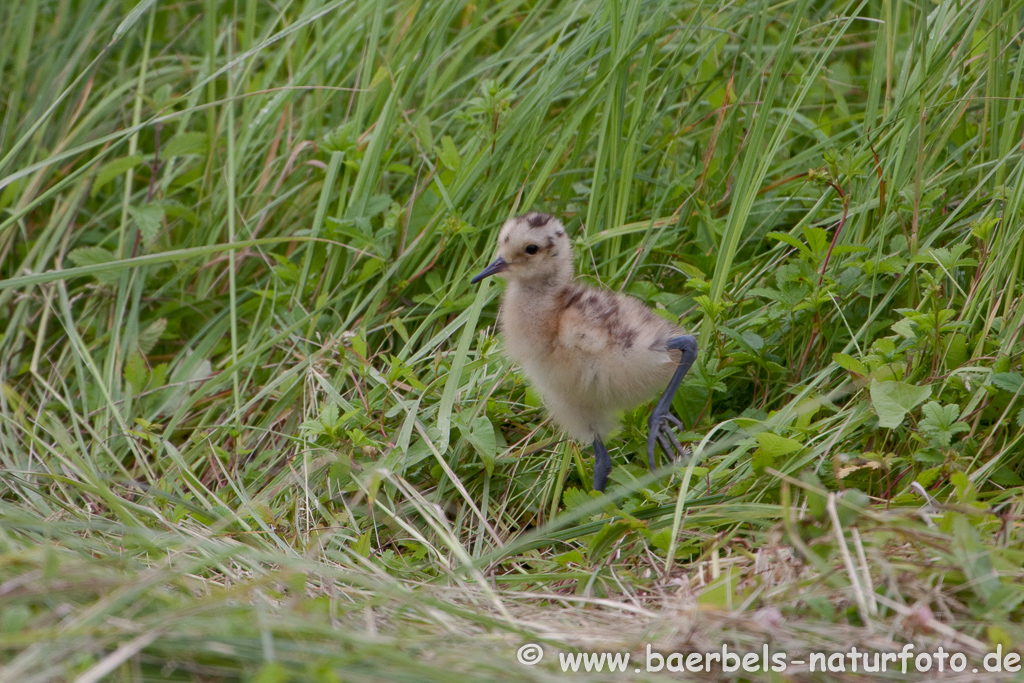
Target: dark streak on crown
537, 220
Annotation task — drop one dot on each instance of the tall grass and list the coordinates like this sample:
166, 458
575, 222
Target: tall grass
255, 422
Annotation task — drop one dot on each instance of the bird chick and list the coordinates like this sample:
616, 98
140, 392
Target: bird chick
590, 353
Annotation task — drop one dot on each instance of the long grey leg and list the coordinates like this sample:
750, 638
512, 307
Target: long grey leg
602, 464
662, 419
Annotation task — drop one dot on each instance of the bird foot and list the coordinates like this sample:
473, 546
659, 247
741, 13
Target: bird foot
661, 423
662, 419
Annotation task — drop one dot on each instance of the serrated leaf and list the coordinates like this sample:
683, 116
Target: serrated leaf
573, 497
940, 423
905, 328
92, 256
341, 139
400, 329
791, 241
721, 593
928, 477
848, 249
755, 340
149, 219
329, 415
340, 472
938, 416
311, 429
964, 489
1008, 381
158, 376
162, 96
765, 292
377, 204
151, 335
112, 169
187, 377
817, 240
760, 460
893, 400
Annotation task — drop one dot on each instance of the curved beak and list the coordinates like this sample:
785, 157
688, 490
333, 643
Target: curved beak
497, 265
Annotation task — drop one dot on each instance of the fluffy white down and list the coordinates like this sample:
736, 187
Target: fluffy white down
584, 377
590, 353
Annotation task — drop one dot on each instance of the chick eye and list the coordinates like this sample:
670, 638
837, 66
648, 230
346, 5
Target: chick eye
532, 249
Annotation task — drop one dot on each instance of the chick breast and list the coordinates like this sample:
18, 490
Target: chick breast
589, 353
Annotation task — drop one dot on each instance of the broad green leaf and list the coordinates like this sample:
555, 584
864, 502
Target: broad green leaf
662, 540
112, 169
791, 241
940, 423
905, 328
817, 240
149, 219
149, 337
816, 502
362, 546
848, 362
778, 445
94, 256
480, 436
957, 352
573, 497
573, 556
424, 132
184, 144
450, 154
604, 539
1008, 381
771, 447
893, 400
377, 204
135, 372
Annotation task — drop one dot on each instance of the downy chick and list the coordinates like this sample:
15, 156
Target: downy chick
590, 353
